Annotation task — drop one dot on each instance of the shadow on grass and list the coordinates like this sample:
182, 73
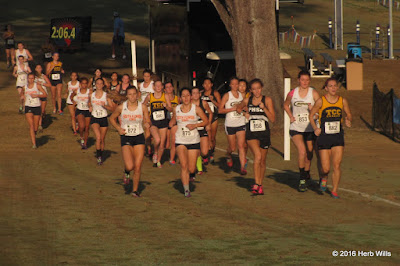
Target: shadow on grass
48, 120
42, 140
370, 127
177, 184
242, 182
291, 179
106, 154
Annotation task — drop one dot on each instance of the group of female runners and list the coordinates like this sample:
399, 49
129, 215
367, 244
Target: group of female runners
153, 117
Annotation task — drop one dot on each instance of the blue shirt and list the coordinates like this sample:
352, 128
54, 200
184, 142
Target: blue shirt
119, 24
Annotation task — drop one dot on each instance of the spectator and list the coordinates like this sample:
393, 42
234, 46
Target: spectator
119, 36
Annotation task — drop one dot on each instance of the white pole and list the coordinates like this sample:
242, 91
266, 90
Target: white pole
134, 68
153, 57
391, 29
286, 124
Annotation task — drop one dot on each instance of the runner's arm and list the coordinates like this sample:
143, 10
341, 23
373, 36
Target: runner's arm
44, 93
30, 57
314, 110
146, 116
269, 109
208, 109
113, 120
221, 107
349, 117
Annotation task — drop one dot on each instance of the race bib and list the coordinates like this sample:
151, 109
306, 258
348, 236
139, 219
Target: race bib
184, 132
55, 76
257, 125
132, 130
99, 113
212, 107
200, 128
332, 127
22, 78
10, 41
158, 115
303, 118
83, 106
47, 55
235, 114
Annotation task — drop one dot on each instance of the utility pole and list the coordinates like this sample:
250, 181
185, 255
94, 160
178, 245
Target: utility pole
390, 31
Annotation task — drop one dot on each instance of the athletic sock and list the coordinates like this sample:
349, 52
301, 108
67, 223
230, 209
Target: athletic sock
98, 153
204, 156
192, 175
199, 164
186, 187
302, 173
307, 174
127, 172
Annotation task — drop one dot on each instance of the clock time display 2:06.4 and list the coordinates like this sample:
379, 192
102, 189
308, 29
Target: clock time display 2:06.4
63, 33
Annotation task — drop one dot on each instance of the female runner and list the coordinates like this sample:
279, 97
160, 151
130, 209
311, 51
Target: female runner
175, 100
9, 38
187, 137
159, 106
234, 124
213, 98
145, 88
134, 117
44, 81
22, 51
297, 105
73, 86
114, 81
97, 75
21, 71
81, 97
54, 71
260, 112
32, 105
99, 103
203, 131
330, 141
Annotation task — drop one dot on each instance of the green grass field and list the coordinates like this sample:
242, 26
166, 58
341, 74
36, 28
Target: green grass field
58, 207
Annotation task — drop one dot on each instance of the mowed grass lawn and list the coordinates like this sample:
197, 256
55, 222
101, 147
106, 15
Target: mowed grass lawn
58, 207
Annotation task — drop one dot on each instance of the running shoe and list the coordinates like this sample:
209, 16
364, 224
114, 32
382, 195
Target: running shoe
82, 142
34, 147
322, 184
243, 171
192, 179
229, 161
20, 110
60, 112
246, 163
302, 186
254, 189
172, 162
99, 161
54, 111
187, 194
113, 57
200, 172
75, 133
126, 179
155, 158
260, 190
8, 64
205, 161
159, 165
135, 194
335, 195
40, 129
84, 147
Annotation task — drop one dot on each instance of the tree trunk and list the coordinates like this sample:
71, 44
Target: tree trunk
252, 27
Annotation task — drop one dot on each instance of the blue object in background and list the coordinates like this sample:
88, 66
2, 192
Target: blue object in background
354, 50
396, 110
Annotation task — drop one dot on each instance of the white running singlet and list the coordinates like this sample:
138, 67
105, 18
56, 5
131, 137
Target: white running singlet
29, 101
98, 109
300, 110
234, 119
71, 89
132, 121
183, 135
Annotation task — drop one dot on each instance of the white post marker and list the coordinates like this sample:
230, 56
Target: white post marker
153, 57
134, 67
286, 123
